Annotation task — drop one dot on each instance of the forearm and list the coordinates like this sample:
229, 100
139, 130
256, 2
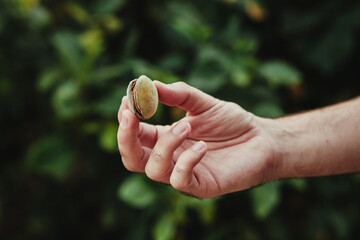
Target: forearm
320, 142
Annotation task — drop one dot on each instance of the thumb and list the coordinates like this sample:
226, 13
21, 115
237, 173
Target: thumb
184, 96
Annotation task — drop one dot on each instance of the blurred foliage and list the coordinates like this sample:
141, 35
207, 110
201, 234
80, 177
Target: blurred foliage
65, 65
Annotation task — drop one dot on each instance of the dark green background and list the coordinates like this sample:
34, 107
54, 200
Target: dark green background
65, 65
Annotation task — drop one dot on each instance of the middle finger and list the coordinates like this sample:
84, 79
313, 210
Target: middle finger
160, 164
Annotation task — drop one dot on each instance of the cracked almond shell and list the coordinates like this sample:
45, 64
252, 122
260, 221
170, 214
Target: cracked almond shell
142, 97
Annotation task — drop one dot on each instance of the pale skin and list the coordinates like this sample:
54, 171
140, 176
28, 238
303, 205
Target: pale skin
219, 148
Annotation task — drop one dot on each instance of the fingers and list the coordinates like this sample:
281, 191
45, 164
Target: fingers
135, 139
134, 155
135, 143
184, 96
160, 163
182, 177
147, 133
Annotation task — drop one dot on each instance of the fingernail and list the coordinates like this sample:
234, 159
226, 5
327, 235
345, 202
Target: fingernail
199, 146
179, 128
124, 122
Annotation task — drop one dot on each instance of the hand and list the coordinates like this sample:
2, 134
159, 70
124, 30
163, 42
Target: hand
217, 148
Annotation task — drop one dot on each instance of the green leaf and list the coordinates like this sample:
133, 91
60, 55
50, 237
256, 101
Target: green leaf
243, 45
212, 55
77, 12
130, 45
109, 105
172, 62
108, 6
280, 73
50, 156
104, 74
299, 184
48, 79
108, 138
92, 44
240, 77
328, 49
231, 31
165, 227
68, 48
206, 209
92, 127
207, 82
267, 109
265, 199
39, 17
136, 192
186, 20
140, 67
66, 100
211, 70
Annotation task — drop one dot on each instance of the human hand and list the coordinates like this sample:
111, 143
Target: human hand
217, 148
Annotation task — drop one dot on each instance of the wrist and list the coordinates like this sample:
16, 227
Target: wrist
300, 149
275, 135
316, 143
287, 143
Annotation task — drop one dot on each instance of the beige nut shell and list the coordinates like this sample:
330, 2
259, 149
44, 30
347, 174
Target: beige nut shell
142, 97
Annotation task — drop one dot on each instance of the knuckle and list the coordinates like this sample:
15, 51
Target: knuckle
178, 170
156, 156
152, 168
156, 169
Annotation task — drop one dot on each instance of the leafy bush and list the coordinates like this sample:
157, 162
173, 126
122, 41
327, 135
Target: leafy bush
65, 65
